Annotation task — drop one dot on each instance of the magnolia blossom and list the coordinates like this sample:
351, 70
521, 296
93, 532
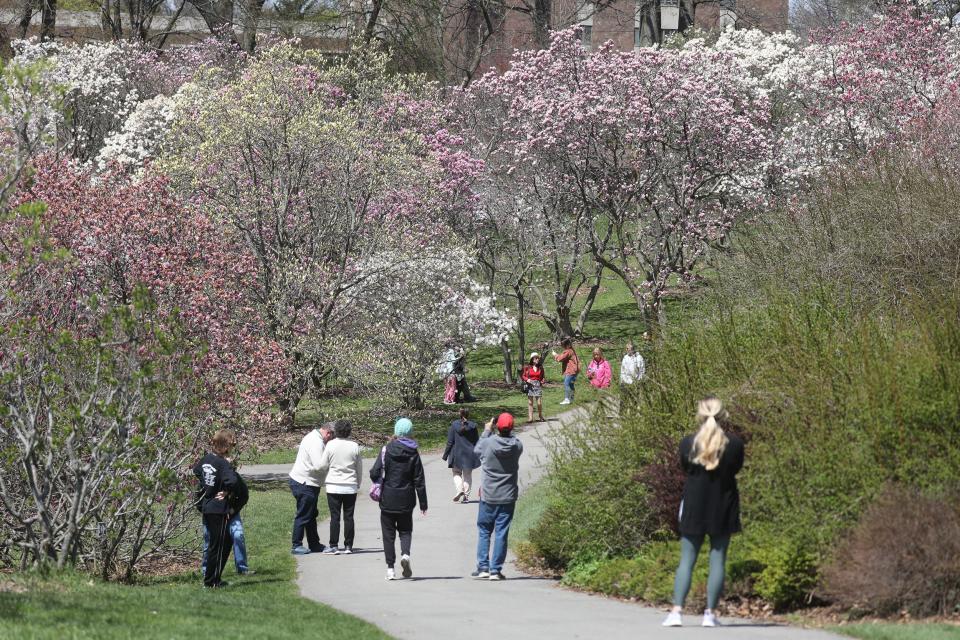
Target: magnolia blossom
413, 307
107, 83
141, 135
640, 160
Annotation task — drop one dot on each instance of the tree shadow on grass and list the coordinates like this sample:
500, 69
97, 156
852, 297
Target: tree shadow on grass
11, 606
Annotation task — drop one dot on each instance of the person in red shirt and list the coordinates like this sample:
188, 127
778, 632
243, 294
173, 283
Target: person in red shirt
534, 375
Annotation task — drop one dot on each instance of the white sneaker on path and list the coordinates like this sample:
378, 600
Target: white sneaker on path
710, 620
405, 566
674, 619
390, 574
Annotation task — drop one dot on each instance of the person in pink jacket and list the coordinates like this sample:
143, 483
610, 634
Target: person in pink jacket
598, 371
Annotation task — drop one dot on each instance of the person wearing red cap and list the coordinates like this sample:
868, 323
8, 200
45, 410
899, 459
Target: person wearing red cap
499, 472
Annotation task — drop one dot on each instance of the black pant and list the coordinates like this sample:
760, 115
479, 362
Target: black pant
336, 502
219, 550
390, 524
306, 518
463, 392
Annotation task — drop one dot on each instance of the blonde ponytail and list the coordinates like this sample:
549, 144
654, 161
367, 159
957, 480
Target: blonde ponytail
710, 441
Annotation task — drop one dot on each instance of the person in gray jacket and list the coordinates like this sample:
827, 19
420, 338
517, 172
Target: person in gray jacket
499, 470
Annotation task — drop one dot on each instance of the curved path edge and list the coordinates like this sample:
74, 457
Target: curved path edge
441, 601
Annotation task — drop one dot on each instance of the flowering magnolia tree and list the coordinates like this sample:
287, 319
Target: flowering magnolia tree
531, 237
850, 89
411, 317
319, 174
122, 235
654, 155
104, 84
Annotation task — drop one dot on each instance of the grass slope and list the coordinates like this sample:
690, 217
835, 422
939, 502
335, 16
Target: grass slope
266, 605
613, 320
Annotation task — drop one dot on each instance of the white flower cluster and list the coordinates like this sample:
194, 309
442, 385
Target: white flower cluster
98, 82
140, 137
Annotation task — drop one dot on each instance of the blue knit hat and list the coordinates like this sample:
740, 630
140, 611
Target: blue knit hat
402, 427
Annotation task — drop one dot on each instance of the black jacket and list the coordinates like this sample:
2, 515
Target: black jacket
215, 475
711, 501
404, 481
239, 496
461, 438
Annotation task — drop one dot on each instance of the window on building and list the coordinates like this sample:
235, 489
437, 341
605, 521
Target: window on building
637, 23
585, 20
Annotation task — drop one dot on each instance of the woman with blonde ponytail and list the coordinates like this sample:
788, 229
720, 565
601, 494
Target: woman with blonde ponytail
711, 459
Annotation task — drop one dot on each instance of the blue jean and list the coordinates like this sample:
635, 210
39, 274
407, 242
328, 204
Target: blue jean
568, 386
239, 545
493, 519
305, 520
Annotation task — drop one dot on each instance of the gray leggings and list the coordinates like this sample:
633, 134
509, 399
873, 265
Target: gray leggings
689, 550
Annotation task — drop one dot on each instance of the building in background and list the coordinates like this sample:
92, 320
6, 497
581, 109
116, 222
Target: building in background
506, 26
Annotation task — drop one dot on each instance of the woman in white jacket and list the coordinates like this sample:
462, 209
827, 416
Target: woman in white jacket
342, 465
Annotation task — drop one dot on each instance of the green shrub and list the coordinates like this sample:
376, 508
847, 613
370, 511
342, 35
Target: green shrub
646, 576
787, 573
833, 337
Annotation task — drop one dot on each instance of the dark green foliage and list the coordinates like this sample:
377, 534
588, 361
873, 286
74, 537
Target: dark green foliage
839, 359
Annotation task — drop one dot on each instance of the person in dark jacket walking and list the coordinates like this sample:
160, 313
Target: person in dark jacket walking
461, 438
711, 459
218, 481
401, 471
499, 489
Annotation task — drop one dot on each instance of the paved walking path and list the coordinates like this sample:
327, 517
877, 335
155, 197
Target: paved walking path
442, 601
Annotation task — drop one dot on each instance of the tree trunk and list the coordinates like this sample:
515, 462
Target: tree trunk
542, 16
507, 362
564, 327
292, 396
588, 303
251, 19
521, 323
371, 26
26, 14
48, 20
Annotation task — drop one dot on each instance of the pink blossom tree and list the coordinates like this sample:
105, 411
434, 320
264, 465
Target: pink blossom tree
121, 235
656, 154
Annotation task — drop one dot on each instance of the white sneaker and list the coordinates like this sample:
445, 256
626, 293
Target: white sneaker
565, 401
674, 619
390, 574
405, 566
710, 620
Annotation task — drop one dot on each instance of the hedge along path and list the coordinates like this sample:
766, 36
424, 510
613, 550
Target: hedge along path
442, 601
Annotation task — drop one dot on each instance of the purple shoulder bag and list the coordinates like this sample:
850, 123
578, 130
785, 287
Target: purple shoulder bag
377, 488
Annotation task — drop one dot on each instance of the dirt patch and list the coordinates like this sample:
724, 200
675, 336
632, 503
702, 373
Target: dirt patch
168, 564
8, 586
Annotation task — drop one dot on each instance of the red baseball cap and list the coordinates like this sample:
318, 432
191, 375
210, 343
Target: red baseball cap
504, 421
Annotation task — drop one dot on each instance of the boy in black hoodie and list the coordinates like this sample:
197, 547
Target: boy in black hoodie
218, 481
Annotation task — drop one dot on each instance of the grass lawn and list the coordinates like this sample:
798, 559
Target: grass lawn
266, 605
531, 506
614, 319
909, 631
